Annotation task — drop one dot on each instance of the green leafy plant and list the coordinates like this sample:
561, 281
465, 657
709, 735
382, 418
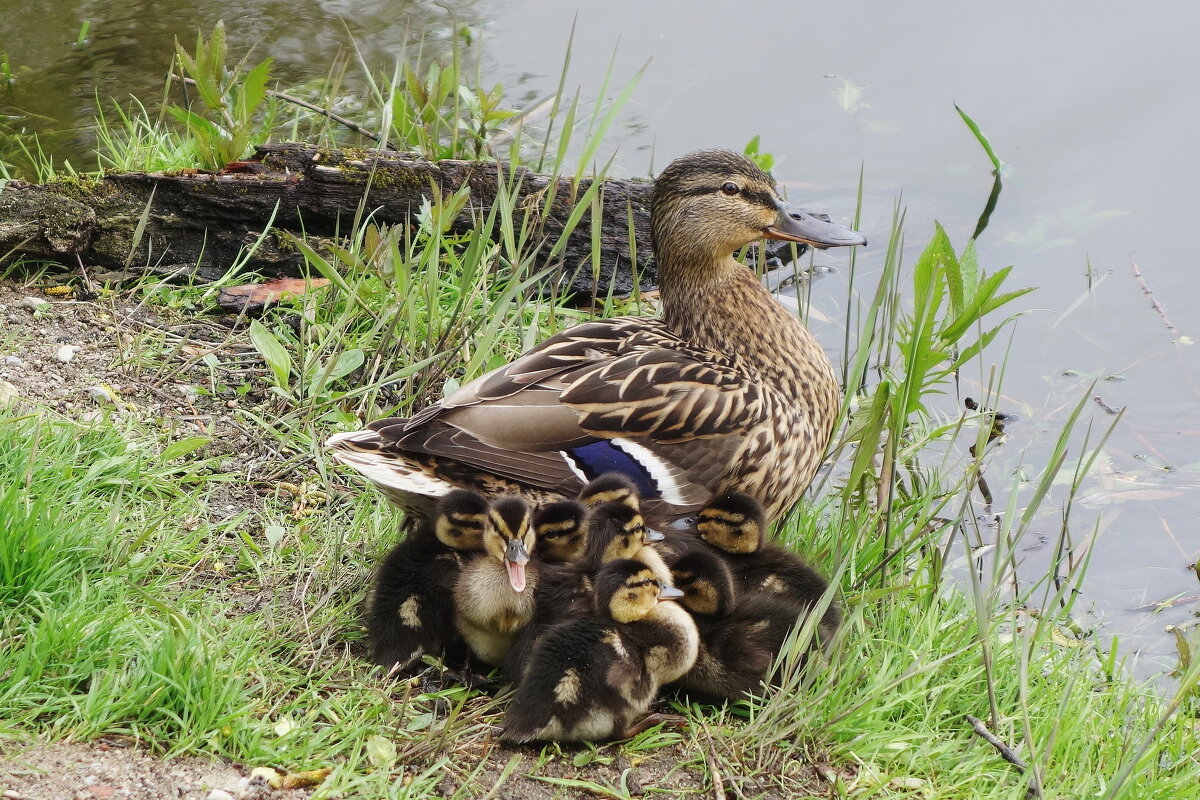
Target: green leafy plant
238, 114
765, 161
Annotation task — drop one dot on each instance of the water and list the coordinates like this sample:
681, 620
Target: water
1092, 106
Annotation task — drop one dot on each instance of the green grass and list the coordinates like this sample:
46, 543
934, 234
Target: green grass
132, 608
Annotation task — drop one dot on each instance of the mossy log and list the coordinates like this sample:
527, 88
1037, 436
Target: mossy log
200, 223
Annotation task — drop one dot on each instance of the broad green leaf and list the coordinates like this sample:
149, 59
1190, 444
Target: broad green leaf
273, 353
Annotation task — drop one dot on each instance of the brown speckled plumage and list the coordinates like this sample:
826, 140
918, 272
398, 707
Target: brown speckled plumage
728, 391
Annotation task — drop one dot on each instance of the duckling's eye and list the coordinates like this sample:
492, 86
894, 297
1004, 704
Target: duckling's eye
730, 188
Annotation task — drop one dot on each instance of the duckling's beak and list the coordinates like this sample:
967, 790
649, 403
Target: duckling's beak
796, 224
669, 593
515, 559
652, 535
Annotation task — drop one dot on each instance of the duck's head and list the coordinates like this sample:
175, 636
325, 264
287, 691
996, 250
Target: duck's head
611, 487
707, 204
615, 531
733, 522
706, 583
509, 537
561, 532
627, 590
461, 520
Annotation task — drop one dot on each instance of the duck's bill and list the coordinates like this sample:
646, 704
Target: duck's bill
515, 559
812, 228
652, 535
669, 593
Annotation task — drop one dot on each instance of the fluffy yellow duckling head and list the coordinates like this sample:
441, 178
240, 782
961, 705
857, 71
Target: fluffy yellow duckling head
615, 531
706, 583
733, 522
561, 531
628, 590
509, 537
461, 519
611, 487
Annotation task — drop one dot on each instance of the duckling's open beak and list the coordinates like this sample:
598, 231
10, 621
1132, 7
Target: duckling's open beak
515, 559
652, 535
669, 593
811, 227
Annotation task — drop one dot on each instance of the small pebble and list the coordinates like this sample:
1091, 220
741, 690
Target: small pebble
67, 352
8, 394
101, 394
219, 794
13, 361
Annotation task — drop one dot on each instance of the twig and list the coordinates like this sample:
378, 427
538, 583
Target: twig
87, 281
1006, 752
1108, 409
354, 126
1162, 312
718, 784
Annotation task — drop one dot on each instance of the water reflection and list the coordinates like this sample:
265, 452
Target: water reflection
130, 45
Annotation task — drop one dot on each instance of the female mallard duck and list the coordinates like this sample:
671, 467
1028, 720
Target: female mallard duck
740, 635
408, 615
727, 391
493, 596
589, 677
735, 524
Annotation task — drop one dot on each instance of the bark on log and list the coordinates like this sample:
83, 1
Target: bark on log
199, 223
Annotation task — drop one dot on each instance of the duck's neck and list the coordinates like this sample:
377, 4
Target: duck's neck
721, 306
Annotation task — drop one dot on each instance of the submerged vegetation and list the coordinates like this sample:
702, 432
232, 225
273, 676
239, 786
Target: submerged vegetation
128, 606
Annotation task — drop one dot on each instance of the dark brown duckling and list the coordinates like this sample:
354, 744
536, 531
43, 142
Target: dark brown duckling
591, 676
740, 636
410, 612
494, 593
734, 523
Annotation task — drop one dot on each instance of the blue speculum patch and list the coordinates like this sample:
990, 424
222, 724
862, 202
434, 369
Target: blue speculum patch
597, 458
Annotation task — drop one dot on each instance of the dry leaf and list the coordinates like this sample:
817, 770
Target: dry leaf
255, 296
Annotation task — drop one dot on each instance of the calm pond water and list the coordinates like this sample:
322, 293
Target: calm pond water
1092, 105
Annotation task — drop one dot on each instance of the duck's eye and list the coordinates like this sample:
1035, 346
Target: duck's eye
730, 188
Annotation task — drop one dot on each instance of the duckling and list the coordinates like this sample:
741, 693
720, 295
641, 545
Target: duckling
614, 530
560, 532
610, 487
408, 615
734, 523
726, 390
494, 593
739, 635
590, 676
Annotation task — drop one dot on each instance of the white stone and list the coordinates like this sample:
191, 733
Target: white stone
32, 303
67, 352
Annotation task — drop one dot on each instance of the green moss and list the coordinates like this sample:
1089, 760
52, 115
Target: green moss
79, 187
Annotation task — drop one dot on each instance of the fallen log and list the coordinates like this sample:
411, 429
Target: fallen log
197, 223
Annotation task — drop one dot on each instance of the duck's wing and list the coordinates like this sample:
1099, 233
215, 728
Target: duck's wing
624, 395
